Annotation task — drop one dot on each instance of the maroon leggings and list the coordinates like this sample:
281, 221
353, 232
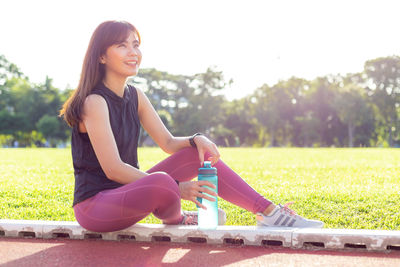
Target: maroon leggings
158, 193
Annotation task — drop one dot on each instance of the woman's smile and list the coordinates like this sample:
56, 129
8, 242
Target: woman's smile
132, 64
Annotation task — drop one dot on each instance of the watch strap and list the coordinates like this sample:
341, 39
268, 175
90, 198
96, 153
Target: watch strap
191, 139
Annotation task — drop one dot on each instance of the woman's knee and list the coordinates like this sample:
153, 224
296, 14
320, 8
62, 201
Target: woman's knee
164, 190
162, 178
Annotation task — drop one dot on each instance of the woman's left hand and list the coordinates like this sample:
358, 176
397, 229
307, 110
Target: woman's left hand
193, 189
206, 145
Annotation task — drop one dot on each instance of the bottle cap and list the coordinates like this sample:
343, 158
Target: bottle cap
207, 164
207, 169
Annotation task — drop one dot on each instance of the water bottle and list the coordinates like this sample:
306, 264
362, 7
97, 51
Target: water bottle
208, 219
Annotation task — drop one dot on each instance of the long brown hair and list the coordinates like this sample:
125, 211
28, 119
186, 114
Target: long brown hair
106, 34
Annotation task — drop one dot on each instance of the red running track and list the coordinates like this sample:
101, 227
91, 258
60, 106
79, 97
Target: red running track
66, 252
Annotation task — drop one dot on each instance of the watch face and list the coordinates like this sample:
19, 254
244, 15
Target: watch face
191, 139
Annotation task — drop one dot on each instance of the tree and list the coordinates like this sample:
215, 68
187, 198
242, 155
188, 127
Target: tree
277, 108
192, 101
267, 112
352, 108
48, 126
383, 76
11, 122
239, 118
8, 70
358, 109
319, 101
159, 87
23, 104
199, 108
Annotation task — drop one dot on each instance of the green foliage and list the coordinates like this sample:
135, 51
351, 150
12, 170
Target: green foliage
8, 70
11, 122
354, 110
239, 118
6, 140
345, 188
29, 139
48, 125
359, 109
29, 111
276, 109
193, 101
384, 88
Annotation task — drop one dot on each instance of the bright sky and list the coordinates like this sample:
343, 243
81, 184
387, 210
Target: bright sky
252, 42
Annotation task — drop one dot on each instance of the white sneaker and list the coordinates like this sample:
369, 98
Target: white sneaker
221, 216
285, 217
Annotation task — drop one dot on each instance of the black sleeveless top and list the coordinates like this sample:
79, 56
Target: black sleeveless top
124, 119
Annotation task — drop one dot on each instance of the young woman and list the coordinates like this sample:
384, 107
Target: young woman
111, 192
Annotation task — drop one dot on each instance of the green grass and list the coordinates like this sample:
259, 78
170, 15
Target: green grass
345, 188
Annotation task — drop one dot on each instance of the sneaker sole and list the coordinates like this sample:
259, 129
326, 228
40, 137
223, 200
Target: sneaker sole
258, 223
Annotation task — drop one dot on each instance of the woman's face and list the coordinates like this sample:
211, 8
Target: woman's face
123, 59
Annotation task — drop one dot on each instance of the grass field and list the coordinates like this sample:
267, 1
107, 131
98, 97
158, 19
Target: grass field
345, 188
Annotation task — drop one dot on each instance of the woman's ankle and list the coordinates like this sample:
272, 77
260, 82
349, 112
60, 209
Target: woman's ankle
174, 221
269, 210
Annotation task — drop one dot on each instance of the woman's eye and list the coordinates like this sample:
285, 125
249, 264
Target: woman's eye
124, 45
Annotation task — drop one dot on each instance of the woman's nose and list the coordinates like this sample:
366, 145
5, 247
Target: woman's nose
134, 50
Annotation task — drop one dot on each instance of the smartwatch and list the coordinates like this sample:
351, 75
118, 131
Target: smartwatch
191, 139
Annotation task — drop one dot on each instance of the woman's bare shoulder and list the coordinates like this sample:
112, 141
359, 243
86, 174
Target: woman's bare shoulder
94, 103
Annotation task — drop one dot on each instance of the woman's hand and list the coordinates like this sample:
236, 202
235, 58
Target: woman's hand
206, 145
193, 189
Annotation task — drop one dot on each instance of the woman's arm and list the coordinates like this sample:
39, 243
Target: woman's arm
154, 126
97, 123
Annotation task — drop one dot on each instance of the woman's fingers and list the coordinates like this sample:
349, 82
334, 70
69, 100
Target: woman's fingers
205, 197
214, 154
207, 191
201, 156
203, 189
199, 190
199, 204
213, 160
206, 183
205, 145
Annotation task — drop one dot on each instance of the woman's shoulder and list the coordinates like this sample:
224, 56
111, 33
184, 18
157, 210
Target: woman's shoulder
98, 93
93, 103
94, 98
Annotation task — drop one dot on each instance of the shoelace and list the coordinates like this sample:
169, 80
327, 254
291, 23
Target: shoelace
287, 210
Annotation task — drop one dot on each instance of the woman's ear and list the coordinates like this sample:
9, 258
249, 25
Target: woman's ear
102, 60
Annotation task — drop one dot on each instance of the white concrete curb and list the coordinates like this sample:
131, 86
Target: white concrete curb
374, 240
